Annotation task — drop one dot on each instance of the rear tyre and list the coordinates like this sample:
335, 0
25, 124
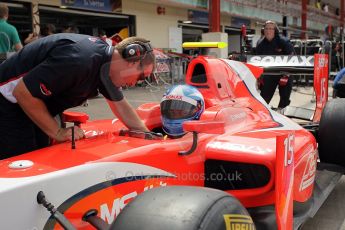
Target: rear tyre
331, 134
183, 208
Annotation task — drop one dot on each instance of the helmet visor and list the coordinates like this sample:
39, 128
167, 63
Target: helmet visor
174, 109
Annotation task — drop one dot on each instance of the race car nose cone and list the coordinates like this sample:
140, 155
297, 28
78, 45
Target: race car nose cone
23, 164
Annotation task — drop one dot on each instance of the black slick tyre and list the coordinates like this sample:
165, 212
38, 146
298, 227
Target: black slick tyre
183, 208
331, 135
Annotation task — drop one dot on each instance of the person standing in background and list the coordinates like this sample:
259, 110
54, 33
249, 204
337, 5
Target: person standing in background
46, 29
102, 34
9, 38
274, 44
318, 4
325, 7
70, 28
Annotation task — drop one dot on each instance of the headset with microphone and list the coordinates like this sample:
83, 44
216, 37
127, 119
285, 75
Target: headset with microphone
135, 51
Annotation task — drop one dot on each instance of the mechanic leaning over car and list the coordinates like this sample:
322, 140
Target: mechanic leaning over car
61, 71
275, 44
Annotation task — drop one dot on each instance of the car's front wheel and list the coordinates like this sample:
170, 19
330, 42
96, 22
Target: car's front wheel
183, 208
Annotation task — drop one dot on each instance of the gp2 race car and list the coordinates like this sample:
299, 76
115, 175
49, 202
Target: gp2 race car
241, 166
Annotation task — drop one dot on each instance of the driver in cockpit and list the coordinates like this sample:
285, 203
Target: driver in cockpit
180, 103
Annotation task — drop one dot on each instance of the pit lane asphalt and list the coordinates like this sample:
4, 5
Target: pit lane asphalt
331, 215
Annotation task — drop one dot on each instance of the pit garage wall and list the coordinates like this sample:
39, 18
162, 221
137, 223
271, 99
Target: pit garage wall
154, 26
150, 24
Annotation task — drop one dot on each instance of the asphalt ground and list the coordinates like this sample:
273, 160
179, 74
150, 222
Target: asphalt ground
331, 215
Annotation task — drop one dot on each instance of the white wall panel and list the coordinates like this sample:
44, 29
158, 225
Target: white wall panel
151, 25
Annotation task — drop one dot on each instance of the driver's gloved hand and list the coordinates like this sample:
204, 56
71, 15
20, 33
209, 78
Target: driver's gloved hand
154, 136
141, 134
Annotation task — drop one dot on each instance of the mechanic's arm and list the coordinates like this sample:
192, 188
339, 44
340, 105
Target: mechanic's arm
39, 114
126, 113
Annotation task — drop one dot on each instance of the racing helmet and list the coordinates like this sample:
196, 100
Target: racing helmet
180, 103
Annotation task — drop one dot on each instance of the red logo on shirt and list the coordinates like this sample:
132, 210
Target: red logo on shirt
44, 90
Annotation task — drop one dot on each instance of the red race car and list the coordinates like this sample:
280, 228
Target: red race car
241, 166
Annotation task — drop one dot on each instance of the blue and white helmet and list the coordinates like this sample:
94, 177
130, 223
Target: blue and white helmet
180, 103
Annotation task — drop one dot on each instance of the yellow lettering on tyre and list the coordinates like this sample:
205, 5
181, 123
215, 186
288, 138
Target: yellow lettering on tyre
238, 222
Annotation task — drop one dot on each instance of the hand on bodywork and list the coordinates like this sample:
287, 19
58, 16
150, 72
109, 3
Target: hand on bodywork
37, 111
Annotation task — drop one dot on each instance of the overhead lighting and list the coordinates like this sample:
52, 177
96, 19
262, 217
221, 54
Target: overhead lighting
187, 22
63, 7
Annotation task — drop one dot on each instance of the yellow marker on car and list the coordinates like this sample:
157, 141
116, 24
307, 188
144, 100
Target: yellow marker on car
204, 45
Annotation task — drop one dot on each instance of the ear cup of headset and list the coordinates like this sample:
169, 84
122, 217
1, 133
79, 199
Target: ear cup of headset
276, 31
133, 52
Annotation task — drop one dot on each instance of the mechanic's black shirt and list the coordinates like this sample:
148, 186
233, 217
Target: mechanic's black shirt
278, 46
62, 69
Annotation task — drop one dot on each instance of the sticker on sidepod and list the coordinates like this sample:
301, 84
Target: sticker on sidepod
110, 210
238, 221
108, 198
238, 147
309, 171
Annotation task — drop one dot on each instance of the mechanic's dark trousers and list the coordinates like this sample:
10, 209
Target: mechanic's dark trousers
268, 87
18, 134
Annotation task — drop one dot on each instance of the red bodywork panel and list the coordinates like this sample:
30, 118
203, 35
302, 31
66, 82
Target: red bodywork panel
75, 117
320, 83
235, 127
